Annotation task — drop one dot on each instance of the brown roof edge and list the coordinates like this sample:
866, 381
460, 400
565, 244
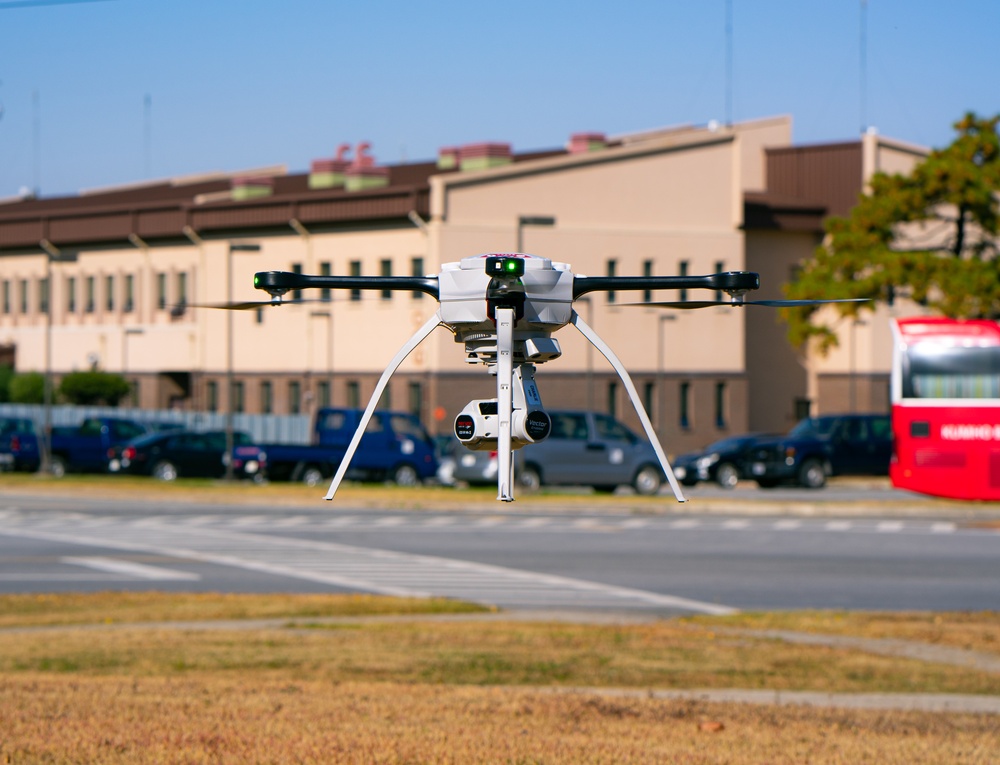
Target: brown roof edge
764, 210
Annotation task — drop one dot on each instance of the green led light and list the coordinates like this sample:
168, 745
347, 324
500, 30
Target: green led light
256, 281
511, 265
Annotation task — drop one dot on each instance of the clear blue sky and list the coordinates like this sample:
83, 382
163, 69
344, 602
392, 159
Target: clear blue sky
234, 84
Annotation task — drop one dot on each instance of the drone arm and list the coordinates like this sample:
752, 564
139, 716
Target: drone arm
418, 337
728, 281
505, 399
280, 282
647, 426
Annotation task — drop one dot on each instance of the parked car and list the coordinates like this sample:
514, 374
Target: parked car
818, 447
719, 462
395, 447
171, 454
87, 448
582, 449
19, 448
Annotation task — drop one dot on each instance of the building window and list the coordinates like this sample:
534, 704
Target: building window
239, 400
161, 291
128, 301
90, 299
613, 398
720, 405
684, 405
24, 296
385, 400
682, 270
385, 269
612, 271
182, 288
296, 294
71, 294
719, 265
417, 269
416, 398
294, 397
353, 394
212, 396
325, 293
6, 296
803, 406
109, 293
355, 271
43, 295
323, 393
647, 271
649, 397
266, 397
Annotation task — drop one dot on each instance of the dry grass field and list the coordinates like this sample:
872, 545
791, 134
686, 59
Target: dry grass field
103, 679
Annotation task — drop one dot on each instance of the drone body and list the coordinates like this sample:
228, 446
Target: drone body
504, 308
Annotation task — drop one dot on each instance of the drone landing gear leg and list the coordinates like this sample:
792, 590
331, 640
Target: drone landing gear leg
505, 401
418, 337
600, 345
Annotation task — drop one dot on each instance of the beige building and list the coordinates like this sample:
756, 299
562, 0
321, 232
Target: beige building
129, 268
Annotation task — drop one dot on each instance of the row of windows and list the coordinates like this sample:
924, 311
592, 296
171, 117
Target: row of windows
83, 293
354, 268
683, 269
294, 393
685, 405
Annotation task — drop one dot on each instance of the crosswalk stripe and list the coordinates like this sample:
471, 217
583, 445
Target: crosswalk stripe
371, 570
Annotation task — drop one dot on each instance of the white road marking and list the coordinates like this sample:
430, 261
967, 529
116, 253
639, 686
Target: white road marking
889, 526
943, 528
838, 525
373, 570
131, 569
787, 524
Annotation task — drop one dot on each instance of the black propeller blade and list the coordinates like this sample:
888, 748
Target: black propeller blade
689, 304
250, 305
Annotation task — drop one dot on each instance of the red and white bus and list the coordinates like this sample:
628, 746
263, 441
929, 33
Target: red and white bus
946, 407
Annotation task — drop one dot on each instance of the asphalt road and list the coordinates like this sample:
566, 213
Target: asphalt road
662, 564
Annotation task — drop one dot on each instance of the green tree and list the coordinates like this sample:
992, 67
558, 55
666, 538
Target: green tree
93, 387
930, 236
27, 388
6, 375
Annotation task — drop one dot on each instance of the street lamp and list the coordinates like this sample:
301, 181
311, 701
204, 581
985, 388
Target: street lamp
853, 391
531, 220
52, 255
125, 335
660, 371
233, 247
328, 315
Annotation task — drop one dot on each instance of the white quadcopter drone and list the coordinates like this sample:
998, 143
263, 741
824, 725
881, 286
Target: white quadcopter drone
505, 308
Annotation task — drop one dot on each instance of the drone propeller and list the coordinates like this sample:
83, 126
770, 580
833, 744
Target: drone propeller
689, 304
250, 305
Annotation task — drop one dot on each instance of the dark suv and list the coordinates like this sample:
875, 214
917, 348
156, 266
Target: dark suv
817, 447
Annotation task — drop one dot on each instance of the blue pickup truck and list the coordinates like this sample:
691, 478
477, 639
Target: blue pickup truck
818, 447
395, 447
19, 447
88, 447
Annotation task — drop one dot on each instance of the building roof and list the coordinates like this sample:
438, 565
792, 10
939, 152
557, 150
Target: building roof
202, 205
804, 185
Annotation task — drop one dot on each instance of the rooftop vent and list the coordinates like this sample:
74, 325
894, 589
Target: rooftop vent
581, 143
479, 156
252, 187
330, 173
448, 158
363, 173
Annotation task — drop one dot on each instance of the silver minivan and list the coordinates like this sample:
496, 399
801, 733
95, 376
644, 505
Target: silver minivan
582, 449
